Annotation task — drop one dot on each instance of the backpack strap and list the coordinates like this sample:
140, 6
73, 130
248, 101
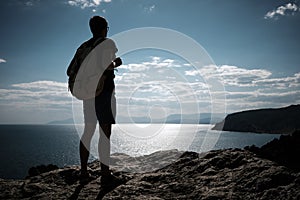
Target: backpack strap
73, 70
98, 41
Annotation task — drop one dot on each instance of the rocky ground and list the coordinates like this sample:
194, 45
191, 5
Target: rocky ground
218, 174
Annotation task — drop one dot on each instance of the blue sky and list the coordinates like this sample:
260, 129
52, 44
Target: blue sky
254, 45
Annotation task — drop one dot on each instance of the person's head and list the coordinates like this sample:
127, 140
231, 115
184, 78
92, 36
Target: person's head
98, 26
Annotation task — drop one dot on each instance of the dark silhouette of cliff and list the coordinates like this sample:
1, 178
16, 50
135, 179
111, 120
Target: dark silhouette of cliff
278, 120
283, 151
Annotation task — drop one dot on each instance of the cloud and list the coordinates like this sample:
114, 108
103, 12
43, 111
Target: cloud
86, 3
287, 9
269, 92
2, 60
135, 67
281, 82
252, 88
154, 63
43, 94
41, 85
149, 9
160, 82
231, 75
35, 102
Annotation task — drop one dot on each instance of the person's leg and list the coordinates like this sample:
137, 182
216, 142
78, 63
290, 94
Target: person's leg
90, 122
105, 105
85, 143
107, 177
104, 148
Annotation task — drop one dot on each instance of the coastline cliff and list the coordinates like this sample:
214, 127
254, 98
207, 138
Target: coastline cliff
278, 120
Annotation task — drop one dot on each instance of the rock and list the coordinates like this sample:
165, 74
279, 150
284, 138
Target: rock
280, 120
284, 151
34, 171
229, 174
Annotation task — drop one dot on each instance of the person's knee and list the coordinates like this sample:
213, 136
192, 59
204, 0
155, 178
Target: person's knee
106, 128
89, 130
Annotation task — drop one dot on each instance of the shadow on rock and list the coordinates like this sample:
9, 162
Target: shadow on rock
284, 151
76, 192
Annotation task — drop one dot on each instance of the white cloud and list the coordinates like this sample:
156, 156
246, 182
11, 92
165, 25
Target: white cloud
154, 63
159, 82
46, 94
150, 8
287, 9
136, 67
179, 89
269, 92
40, 85
192, 73
252, 88
35, 102
2, 60
281, 82
96, 2
231, 75
86, 3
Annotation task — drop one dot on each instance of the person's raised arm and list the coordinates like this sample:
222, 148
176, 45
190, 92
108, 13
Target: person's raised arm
116, 63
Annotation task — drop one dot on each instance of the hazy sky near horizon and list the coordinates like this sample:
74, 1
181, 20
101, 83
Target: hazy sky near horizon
254, 45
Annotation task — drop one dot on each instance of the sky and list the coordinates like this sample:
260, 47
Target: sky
253, 45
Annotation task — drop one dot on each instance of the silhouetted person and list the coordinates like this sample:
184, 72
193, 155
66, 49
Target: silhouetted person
102, 108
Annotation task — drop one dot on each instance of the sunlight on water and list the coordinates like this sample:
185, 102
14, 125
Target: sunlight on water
141, 139
25, 146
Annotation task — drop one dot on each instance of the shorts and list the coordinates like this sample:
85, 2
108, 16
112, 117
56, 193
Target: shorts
101, 108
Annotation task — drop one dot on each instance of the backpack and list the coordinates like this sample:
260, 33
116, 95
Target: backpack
73, 68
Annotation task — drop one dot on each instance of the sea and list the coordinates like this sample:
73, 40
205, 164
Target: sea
25, 146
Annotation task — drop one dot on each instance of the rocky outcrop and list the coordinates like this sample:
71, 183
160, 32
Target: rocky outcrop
285, 150
221, 174
280, 120
34, 171
218, 174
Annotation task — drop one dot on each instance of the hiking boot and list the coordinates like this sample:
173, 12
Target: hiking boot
110, 179
85, 177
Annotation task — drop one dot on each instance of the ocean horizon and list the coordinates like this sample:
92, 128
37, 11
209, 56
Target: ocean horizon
24, 146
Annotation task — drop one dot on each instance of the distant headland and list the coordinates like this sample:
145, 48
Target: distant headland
273, 120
